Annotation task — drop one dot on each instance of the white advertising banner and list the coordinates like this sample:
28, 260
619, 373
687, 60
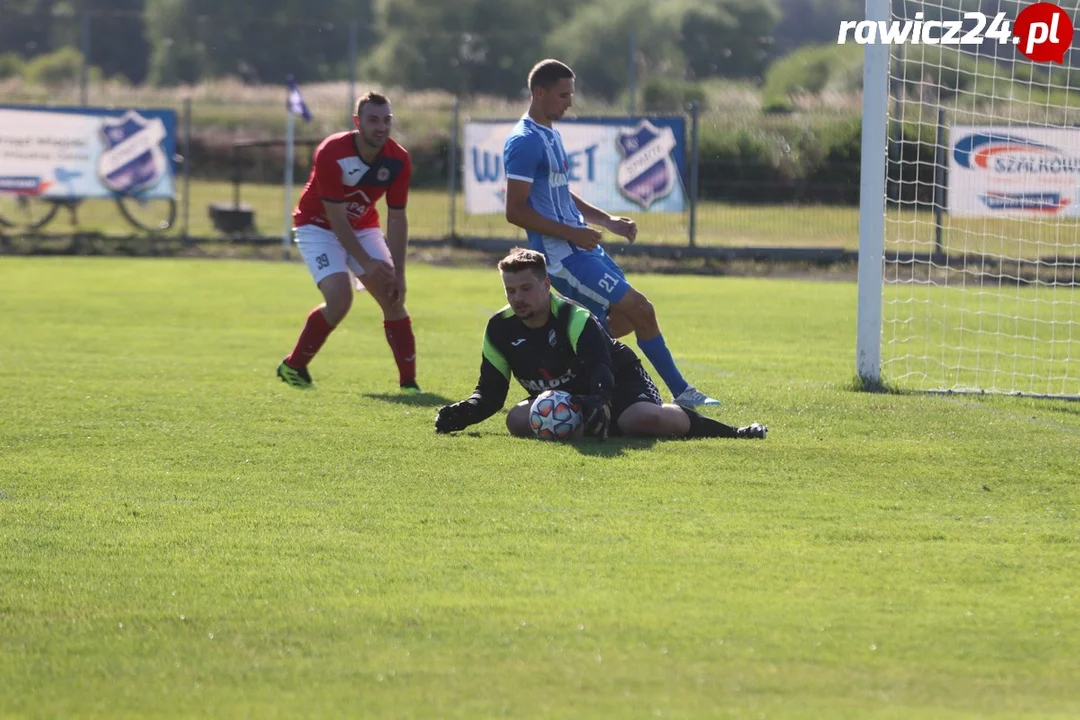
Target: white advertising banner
1013, 171
86, 153
621, 165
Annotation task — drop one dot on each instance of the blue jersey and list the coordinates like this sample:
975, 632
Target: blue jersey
535, 154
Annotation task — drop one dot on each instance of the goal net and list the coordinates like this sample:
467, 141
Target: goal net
969, 268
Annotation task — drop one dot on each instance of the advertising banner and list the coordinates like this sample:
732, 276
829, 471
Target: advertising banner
622, 165
87, 152
1013, 171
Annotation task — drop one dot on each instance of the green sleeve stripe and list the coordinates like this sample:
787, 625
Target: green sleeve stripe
496, 358
506, 312
579, 316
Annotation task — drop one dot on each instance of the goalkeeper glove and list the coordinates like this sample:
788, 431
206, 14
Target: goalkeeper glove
596, 415
450, 418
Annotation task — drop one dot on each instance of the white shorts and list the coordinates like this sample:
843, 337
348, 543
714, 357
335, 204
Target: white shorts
325, 255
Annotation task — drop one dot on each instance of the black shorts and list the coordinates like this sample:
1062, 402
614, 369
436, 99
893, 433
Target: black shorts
632, 385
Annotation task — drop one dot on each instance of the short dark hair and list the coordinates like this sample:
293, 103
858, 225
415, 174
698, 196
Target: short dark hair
548, 72
523, 259
370, 97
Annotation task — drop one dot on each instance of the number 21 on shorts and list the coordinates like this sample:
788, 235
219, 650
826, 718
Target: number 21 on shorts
608, 283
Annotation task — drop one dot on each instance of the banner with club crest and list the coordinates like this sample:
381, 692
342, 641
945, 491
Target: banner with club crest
87, 152
623, 165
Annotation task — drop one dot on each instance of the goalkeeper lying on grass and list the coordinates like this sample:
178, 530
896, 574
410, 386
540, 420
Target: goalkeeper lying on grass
549, 343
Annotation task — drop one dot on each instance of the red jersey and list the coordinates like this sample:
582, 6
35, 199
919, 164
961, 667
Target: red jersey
340, 175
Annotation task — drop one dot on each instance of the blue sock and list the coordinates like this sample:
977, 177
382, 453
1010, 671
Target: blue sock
660, 357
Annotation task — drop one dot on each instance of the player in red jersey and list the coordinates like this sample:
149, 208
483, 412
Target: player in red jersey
337, 230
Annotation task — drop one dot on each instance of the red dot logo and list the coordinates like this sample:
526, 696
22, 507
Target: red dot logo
1043, 32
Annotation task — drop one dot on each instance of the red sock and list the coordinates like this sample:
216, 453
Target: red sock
314, 334
400, 336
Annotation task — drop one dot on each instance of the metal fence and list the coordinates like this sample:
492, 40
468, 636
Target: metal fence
231, 164
742, 206
232, 151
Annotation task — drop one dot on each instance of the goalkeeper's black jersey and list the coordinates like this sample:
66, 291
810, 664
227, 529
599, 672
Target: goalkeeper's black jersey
571, 352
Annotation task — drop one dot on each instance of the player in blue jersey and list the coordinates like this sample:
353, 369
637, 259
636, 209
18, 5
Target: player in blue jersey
539, 200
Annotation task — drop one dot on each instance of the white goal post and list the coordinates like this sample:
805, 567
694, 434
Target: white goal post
969, 214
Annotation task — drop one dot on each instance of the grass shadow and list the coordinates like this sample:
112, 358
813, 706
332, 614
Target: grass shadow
417, 400
613, 446
1067, 406
880, 387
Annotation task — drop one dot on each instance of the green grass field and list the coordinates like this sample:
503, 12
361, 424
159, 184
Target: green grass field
429, 218
182, 535
718, 224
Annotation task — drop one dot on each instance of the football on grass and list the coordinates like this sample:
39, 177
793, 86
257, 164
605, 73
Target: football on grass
555, 416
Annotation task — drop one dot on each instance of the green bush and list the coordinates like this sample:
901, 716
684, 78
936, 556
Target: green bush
950, 71
781, 160
912, 162
812, 69
956, 75
11, 65
60, 67
667, 95
832, 156
777, 105
739, 163
431, 158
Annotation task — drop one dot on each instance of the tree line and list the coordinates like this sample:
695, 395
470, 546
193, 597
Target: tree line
464, 46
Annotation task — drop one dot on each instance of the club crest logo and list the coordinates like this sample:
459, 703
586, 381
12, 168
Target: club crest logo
646, 171
132, 159
552, 340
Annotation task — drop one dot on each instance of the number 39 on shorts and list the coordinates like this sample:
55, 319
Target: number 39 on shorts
608, 282
323, 261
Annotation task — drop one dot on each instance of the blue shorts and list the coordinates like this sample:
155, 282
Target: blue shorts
594, 281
